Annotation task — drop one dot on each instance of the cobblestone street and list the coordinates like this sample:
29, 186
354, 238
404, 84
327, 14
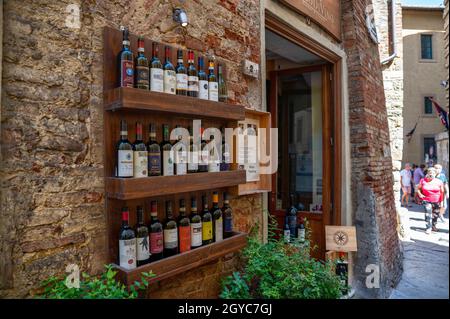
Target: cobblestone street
426, 260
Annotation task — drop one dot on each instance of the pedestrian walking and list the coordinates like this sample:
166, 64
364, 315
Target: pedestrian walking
417, 176
405, 181
441, 175
431, 191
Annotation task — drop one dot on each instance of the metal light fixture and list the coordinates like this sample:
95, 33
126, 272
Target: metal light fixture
180, 16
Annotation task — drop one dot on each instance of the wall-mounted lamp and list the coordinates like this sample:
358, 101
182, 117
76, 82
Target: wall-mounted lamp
180, 16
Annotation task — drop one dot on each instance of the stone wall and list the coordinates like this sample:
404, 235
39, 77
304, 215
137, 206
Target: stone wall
392, 79
52, 200
372, 191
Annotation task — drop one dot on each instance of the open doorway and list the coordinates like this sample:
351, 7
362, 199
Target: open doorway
300, 100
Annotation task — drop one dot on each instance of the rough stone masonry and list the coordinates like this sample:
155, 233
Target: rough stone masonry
52, 188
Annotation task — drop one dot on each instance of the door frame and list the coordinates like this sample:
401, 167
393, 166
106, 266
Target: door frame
280, 27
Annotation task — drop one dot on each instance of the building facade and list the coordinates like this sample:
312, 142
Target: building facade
423, 43
335, 150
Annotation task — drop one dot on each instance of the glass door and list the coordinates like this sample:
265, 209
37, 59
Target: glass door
300, 111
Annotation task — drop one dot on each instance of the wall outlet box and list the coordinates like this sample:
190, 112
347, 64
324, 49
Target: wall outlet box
251, 68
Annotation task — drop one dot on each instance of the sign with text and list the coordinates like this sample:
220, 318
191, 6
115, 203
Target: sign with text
326, 13
340, 238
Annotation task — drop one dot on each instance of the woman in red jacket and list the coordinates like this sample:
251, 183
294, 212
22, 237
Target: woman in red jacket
431, 192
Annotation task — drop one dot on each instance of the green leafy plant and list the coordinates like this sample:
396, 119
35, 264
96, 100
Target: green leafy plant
104, 286
277, 269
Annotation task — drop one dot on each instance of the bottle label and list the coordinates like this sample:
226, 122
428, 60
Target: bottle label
218, 229
204, 157
142, 76
154, 163
168, 163
207, 230
203, 90
125, 163
170, 81
185, 238
226, 157
228, 225
213, 167
156, 243
196, 234
181, 163
127, 72
143, 249
127, 253
193, 162
140, 164
170, 238
182, 81
301, 235
213, 91
156, 80
193, 83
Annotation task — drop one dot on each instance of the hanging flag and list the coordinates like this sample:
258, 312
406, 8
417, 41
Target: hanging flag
410, 134
443, 114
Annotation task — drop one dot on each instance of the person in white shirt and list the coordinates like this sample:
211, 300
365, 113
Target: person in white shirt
405, 181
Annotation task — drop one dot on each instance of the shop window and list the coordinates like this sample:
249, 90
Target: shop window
426, 42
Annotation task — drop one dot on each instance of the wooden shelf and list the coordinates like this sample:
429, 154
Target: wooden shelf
174, 265
143, 100
133, 188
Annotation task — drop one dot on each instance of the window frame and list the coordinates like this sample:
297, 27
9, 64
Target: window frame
433, 51
423, 105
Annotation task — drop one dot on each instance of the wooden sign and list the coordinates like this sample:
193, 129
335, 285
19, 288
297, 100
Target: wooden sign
340, 238
326, 13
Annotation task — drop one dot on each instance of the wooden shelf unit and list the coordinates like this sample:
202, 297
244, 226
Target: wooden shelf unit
177, 264
133, 188
137, 105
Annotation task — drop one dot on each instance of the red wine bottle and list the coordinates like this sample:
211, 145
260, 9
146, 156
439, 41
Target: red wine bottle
196, 225
124, 151
140, 154
143, 240
184, 229
227, 215
156, 234
170, 232
126, 62
217, 218
142, 71
127, 243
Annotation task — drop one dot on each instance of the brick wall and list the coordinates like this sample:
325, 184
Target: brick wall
372, 192
52, 200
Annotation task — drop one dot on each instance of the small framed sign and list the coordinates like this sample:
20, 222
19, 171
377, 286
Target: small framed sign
340, 238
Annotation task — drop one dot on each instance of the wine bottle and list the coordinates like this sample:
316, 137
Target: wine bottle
225, 163
180, 152
196, 226
202, 80
124, 153
342, 272
182, 77
156, 234
156, 71
170, 77
204, 154
214, 159
184, 229
140, 154
127, 243
217, 217
207, 224
126, 62
192, 76
170, 232
167, 153
286, 231
142, 241
227, 215
291, 216
154, 153
301, 231
193, 154
213, 88
142, 71
223, 93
